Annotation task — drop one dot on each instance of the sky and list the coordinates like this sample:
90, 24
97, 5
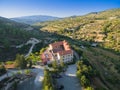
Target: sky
58, 8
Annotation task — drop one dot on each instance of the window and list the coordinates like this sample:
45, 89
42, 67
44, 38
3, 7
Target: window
69, 55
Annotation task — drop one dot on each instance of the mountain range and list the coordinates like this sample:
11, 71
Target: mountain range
34, 19
81, 32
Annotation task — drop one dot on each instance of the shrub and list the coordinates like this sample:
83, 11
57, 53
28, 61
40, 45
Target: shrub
27, 71
84, 81
2, 70
89, 88
20, 62
9, 62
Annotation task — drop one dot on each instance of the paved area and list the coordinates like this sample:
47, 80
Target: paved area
69, 80
70, 83
8, 74
28, 85
33, 83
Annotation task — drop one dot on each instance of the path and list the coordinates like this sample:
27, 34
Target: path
30, 50
32, 41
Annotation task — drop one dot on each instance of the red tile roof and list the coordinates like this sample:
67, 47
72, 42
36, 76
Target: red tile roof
62, 48
59, 44
65, 52
58, 49
56, 44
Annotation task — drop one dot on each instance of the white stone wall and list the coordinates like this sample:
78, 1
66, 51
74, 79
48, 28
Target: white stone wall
50, 47
67, 58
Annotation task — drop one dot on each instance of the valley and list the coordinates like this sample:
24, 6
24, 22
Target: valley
102, 27
94, 39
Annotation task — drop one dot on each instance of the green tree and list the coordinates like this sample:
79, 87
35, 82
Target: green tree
2, 69
20, 62
62, 64
84, 81
54, 64
42, 50
34, 57
47, 82
79, 73
6, 44
89, 88
30, 64
27, 71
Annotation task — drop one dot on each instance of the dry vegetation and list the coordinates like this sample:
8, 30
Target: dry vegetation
103, 27
105, 62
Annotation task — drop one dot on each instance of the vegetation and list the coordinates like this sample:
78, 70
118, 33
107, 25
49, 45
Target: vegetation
20, 62
9, 62
105, 62
13, 34
58, 67
89, 88
34, 57
27, 72
99, 69
55, 65
85, 73
77, 49
48, 81
62, 64
102, 27
2, 69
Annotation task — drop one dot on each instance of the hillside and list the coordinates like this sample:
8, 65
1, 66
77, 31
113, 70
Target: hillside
106, 63
102, 27
13, 34
80, 31
34, 19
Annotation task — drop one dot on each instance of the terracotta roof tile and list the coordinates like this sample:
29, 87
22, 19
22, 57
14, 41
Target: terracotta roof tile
62, 48
65, 52
56, 44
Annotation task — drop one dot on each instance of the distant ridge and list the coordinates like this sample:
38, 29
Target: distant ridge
34, 19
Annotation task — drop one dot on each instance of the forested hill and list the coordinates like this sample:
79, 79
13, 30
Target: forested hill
13, 34
102, 27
